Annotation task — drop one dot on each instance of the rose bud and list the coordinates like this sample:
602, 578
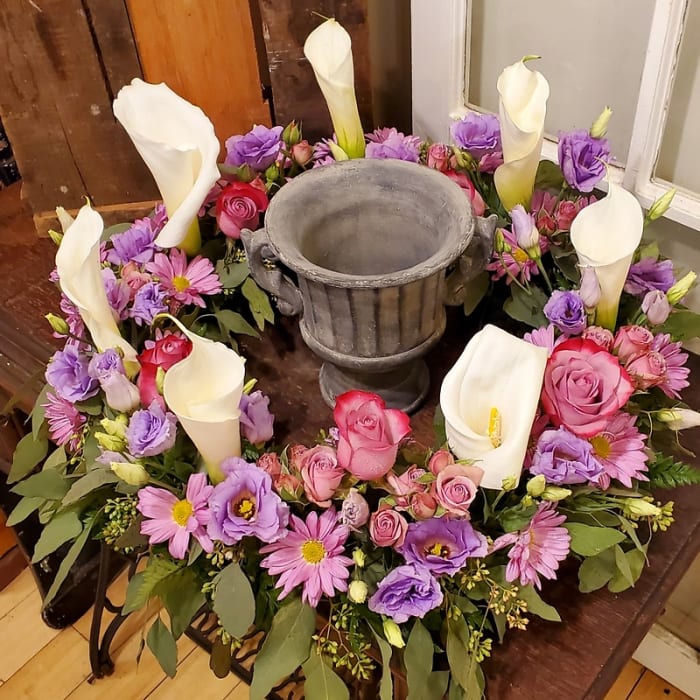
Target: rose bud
656, 307
302, 152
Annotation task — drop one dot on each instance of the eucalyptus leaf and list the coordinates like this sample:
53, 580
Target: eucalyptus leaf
527, 308
457, 651
259, 303
437, 685
90, 482
549, 176
46, 484
232, 323
28, 453
322, 682
234, 602
536, 605
24, 508
596, 571
623, 565
635, 560
182, 597
162, 645
682, 324
64, 526
39, 412
142, 586
418, 658
588, 541
137, 594
386, 685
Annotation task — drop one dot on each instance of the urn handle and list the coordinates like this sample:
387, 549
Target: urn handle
263, 262
472, 261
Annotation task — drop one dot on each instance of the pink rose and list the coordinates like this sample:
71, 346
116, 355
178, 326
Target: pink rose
289, 483
320, 474
134, 278
647, 370
584, 386
402, 486
439, 156
423, 506
440, 460
600, 336
387, 528
466, 184
294, 455
455, 488
631, 341
270, 463
302, 152
565, 214
369, 434
239, 206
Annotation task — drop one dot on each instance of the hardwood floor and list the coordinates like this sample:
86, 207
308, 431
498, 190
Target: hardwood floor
39, 663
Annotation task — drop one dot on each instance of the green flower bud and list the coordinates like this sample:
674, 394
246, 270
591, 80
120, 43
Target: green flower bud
117, 426
337, 151
661, 205
132, 474
555, 493
249, 385
463, 159
113, 443
272, 173
160, 377
393, 635
600, 126
58, 324
509, 483
680, 288
357, 591
55, 236
358, 556
678, 418
537, 485
640, 508
291, 134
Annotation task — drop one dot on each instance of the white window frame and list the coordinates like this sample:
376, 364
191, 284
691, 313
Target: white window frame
441, 36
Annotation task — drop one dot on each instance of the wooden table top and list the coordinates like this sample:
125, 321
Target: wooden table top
578, 659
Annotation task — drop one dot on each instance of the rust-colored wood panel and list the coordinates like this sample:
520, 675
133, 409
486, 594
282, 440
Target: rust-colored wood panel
205, 51
295, 93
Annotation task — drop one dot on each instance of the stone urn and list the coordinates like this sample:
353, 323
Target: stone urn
369, 242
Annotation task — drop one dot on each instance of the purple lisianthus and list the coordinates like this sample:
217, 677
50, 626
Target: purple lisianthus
118, 294
137, 243
354, 511
479, 134
258, 149
104, 364
256, 419
244, 504
406, 591
442, 545
149, 301
566, 311
563, 458
390, 143
68, 374
649, 274
151, 431
582, 159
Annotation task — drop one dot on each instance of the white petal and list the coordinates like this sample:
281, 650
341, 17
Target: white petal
177, 142
496, 370
80, 277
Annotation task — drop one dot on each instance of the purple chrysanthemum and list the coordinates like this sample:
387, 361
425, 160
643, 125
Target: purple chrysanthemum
137, 243
149, 301
390, 143
65, 421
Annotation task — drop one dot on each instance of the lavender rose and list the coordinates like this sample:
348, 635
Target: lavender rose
258, 149
244, 504
68, 374
582, 159
321, 474
649, 274
387, 528
455, 488
566, 311
478, 133
406, 591
563, 458
355, 511
149, 301
256, 419
442, 545
151, 431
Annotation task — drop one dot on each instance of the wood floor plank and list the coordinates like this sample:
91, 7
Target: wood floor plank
16, 592
194, 679
651, 687
24, 625
116, 593
626, 681
54, 672
240, 692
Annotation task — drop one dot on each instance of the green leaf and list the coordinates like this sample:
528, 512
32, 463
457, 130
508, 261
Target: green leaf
623, 566
418, 657
137, 594
259, 303
64, 526
439, 428
588, 541
69, 560
28, 453
682, 325
286, 647
232, 323
56, 459
536, 605
527, 308
476, 290
596, 571
90, 482
38, 412
114, 230
549, 176
162, 645
437, 685
517, 517
234, 601
666, 473
182, 597
322, 682
457, 651
386, 685
47, 484
142, 585
633, 566
232, 274
24, 509
648, 250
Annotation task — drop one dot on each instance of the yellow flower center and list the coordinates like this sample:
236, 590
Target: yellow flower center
439, 550
180, 283
520, 256
313, 551
181, 512
601, 446
495, 427
245, 507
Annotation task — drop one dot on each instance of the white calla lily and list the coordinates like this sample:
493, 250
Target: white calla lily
522, 103
605, 235
489, 400
177, 142
204, 391
80, 276
329, 51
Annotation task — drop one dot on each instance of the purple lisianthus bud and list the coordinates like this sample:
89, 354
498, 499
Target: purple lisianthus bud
355, 511
244, 504
67, 372
120, 394
118, 294
406, 591
524, 228
649, 274
479, 134
590, 287
256, 419
582, 159
563, 458
151, 431
390, 143
656, 306
566, 311
149, 301
442, 545
258, 149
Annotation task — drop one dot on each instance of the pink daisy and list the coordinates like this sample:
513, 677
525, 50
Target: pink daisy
185, 283
544, 337
518, 263
676, 372
620, 449
310, 554
171, 519
65, 421
538, 549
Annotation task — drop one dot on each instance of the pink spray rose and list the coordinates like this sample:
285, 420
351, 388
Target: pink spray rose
302, 152
239, 206
369, 434
455, 488
583, 387
403, 486
647, 370
600, 336
439, 156
466, 184
387, 528
270, 463
290, 483
134, 278
422, 506
320, 474
566, 212
631, 341
440, 460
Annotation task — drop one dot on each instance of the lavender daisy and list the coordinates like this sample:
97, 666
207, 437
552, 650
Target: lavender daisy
676, 376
